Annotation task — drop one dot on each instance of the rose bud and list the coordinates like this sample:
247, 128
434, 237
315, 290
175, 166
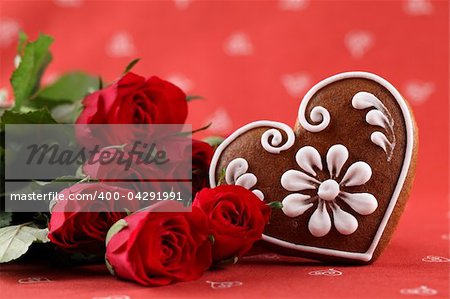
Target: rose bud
80, 226
159, 248
135, 100
237, 218
130, 100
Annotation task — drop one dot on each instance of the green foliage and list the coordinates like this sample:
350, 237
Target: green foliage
41, 116
15, 240
214, 141
115, 228
69, 88
131, 65
193, 97
26, 79
5, 219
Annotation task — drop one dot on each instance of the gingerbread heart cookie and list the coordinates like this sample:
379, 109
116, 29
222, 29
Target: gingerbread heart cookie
343, 174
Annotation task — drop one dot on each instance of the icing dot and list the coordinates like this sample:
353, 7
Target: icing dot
328, 190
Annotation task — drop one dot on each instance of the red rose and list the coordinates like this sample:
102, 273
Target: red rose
132, 100
133, 177
135, 100
202, 154
136, 176
159, 248
193, 163
74, 229
237, 218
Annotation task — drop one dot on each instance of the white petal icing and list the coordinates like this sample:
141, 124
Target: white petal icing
328, 190
235, 169
259, 194
275, 137
236, 174
357, 174
320, 223
377, 118
247, 180
294, 180
307, 158
381, 140
295, 204
344, 222
336, 157
364, 100
362, 203
380, 116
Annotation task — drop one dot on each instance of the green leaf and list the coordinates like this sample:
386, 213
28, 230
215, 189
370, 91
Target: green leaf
26, 79
214, 141
79, 258
69, 88
63, 97
202, 128
62, 179
41, 116
109, 267
131, 65
15, 240
115, 228
5, 219
23, 40
195, 131
193, 97
100, 82
275, 204
67, 113
229, 261
221, 177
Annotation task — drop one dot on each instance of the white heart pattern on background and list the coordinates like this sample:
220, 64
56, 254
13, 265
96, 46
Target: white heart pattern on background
293, 5
418, 7
358, 42
221, 121
418, 91
121, 45
420, 291
328, 272
296, 84
68, 3
238, 44
182, 4
224, 284
33, 280
9, 28
181, 81
435, 259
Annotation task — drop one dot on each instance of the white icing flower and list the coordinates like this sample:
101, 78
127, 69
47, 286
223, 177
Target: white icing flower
328, 193
236, 174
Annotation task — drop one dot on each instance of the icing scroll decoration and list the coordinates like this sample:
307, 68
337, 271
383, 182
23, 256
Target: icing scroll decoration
319, 115
380, 117
328, 193
271, 140
236, 174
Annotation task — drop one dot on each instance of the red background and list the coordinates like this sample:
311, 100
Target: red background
254, 60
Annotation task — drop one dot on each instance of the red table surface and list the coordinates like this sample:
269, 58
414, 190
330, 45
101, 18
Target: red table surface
254, 60
415, 262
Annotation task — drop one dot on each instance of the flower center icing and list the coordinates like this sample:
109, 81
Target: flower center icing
328, 190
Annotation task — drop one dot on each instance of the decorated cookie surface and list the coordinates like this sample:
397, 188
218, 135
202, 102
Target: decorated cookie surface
342, 174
